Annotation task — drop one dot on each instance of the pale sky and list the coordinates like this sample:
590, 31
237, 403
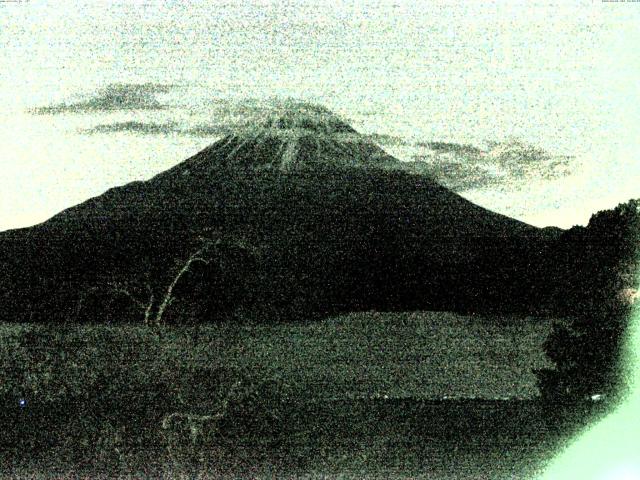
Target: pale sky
139, 86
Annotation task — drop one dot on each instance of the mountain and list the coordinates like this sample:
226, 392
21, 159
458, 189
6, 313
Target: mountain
289, 138
297, 215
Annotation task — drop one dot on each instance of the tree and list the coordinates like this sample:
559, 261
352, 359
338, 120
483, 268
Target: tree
152, 292
601, 289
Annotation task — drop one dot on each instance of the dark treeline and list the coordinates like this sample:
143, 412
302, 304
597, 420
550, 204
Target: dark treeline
593, 280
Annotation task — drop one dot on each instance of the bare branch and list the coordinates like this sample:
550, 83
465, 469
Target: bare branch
147, 310
133, 292
193, 258
121, 288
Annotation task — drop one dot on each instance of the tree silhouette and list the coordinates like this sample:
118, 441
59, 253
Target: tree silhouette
152, 292
600, 287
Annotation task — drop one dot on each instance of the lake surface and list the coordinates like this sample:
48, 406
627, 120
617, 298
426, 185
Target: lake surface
415, 355
370, 439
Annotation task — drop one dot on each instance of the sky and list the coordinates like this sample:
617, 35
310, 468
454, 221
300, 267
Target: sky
529, 109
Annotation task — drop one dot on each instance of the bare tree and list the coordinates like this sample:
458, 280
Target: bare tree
196, 257
153, 302
127, 290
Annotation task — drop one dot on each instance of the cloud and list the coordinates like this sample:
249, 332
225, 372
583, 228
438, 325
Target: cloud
222, 117
152, 128
465, 167
455, 148
455, 175
114, 97
456, 165
149, 128
208, 130
391, 140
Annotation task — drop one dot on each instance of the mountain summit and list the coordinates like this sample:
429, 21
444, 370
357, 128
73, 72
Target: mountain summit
303, 116
292, 136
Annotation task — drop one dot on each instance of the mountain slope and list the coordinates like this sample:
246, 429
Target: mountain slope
314, 219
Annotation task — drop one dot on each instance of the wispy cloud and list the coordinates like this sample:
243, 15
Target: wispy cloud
455, 148
148, 128
207, 130
459, 166
464, 167
389, 140
152, 128
221, 116
114, 97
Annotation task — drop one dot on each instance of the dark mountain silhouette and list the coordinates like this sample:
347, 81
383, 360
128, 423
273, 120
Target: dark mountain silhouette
297, 215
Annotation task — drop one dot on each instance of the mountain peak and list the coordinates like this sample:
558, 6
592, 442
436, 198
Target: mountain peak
288, 136
304, 116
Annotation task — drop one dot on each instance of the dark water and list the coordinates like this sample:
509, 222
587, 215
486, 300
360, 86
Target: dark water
350, 439
433, 439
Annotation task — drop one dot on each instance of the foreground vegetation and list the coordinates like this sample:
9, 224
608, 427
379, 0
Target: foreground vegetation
356, 439
104, 395
602, 290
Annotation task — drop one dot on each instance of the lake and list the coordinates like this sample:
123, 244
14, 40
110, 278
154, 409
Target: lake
406, 438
